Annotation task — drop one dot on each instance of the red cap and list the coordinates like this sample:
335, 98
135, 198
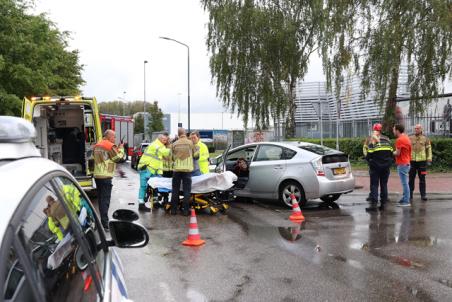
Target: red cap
377, 127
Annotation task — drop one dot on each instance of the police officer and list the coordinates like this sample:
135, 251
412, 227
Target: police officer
151, 165
106, 155
182, 153
421, 155
380, 159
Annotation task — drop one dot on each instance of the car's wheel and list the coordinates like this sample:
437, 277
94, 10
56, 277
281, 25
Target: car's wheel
287, 189
330, 198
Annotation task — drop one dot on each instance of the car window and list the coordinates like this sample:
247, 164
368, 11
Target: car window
318, 149
57, 257
288, 154
246, 153
16, 287
87, 222
269, 152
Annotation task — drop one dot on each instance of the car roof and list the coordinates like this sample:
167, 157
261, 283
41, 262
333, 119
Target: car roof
16, 177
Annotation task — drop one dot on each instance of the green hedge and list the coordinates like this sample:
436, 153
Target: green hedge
442, 149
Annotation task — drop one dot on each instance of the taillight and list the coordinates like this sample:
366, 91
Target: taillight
318, 166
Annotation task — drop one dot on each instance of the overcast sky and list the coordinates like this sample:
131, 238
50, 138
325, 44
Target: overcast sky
115, 37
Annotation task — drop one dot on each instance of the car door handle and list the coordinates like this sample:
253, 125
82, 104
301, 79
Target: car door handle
278, 167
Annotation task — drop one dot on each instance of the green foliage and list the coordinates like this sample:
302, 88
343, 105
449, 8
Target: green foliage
259, 50
441, 147
9, 104
376, 37
130, 108
34, 59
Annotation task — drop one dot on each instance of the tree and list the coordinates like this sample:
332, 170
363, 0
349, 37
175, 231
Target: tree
259, 50
34, 59
130, 108
378, 37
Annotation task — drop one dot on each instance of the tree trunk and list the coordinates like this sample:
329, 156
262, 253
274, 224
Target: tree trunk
290, 120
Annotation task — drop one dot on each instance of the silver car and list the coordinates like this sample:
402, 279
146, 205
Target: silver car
277, 170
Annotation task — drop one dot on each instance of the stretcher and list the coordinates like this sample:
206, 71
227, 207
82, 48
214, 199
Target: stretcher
210, 192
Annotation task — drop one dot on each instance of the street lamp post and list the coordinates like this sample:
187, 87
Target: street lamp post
188, 75
145, 117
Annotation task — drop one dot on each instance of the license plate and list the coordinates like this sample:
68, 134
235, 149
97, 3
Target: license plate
338, 171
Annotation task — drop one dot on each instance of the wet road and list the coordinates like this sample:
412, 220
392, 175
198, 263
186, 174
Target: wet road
254, 253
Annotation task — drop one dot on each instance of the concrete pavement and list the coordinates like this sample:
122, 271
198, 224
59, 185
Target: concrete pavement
437, 183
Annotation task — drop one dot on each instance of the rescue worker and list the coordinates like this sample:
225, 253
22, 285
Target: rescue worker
106, 155
380, 158
151, 165
182, 153
421, 156
168, 173
201, 165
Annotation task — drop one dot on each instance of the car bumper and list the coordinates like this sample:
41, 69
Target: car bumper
327, 186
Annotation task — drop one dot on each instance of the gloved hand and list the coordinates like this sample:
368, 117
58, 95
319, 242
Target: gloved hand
142, 168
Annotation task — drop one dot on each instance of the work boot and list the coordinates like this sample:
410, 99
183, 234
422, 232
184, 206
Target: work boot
372, 208
368, 198
142, 207
424, 198
381, 207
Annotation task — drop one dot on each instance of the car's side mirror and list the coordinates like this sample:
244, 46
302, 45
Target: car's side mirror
213, 161
125, 214
126, 234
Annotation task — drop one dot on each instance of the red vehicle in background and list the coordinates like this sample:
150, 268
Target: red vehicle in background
123, 127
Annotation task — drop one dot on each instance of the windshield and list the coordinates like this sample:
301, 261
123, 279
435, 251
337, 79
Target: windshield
318, 149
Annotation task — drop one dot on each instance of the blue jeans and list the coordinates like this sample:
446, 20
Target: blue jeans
404, 171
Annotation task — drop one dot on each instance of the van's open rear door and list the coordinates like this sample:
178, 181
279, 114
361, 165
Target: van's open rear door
27, 109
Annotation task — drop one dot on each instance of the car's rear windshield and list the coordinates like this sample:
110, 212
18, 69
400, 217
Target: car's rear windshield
318, 149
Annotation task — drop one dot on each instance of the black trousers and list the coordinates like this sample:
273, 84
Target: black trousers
185, 178
379, 178
419, 168
104, 187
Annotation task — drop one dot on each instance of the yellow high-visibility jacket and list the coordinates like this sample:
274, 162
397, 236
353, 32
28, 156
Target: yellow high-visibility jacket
106, 155
203, 160
152, 157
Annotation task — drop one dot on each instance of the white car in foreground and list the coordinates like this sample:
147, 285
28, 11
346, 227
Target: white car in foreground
53, 246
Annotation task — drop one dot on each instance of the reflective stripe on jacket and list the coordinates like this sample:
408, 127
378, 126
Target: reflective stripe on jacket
421, 148
380, 155
182, 153
106, 155
203, 157
152, 157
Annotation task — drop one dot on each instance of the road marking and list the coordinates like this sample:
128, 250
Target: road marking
166, 292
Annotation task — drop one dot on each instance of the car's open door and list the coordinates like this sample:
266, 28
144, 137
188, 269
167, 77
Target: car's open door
221, 167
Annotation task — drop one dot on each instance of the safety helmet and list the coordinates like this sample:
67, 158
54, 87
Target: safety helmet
377, 127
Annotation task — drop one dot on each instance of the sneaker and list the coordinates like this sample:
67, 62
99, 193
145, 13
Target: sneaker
404, 204
143, 208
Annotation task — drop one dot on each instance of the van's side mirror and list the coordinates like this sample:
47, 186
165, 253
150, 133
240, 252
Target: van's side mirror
126, 234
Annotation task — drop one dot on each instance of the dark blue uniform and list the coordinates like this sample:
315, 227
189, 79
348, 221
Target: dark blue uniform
380, 159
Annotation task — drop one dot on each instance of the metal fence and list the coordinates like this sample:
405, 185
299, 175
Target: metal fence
432, 125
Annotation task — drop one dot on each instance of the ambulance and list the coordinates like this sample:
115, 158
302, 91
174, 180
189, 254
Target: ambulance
67, 129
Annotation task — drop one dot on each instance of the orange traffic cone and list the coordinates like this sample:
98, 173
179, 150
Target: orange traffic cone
194, 238
296, 212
